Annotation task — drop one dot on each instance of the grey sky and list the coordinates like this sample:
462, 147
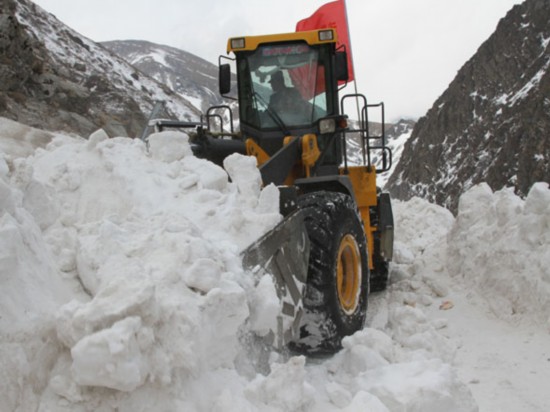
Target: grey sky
406, 52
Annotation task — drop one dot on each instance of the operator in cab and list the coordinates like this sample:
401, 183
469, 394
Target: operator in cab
286, 101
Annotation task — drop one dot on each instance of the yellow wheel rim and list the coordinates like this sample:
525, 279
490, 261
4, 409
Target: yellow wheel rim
348, 274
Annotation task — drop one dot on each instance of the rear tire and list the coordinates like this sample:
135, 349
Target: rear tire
335, 300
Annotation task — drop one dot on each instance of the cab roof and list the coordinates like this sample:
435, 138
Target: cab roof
311, 37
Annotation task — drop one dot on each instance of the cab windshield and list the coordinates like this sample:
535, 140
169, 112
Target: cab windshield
283, 86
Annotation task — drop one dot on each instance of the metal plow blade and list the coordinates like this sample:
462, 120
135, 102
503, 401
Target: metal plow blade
283, 253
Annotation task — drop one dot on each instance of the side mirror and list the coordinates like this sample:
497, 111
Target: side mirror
224, 78
341, 66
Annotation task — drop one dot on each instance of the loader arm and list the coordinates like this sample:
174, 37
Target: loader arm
277, 168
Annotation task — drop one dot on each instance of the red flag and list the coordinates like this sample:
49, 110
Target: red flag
331, 15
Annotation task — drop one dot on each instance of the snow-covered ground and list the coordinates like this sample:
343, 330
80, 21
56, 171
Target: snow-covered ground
121, 288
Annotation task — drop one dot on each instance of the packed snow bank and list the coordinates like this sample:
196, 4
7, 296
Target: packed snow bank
500, 246
122, 288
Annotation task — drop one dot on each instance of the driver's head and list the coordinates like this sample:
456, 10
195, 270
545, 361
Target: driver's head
277, 81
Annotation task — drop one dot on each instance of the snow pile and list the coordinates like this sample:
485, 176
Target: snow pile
500, 246
121, 287
127, 261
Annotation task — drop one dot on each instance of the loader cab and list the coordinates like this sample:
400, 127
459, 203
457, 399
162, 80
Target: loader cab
286, 84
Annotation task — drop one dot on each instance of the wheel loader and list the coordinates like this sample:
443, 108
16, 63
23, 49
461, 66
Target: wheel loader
335, 240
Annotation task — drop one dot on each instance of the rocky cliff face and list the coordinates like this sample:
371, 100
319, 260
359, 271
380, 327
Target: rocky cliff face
493, 122
53, 78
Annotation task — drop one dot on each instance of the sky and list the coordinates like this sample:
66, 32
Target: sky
405, 52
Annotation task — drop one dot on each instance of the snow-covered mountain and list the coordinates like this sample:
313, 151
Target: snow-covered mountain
54, 78
492, 123
186, 74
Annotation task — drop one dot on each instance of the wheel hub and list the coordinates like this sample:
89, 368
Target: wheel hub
348, 274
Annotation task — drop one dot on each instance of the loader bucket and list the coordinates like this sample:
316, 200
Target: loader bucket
283, 253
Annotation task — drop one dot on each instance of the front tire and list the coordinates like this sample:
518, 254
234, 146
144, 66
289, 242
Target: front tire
335, 300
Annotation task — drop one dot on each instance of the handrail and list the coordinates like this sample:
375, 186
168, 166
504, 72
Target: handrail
209, 115
379, 142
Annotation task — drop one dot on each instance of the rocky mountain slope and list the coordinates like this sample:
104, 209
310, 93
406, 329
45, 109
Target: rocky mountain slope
53, 78
188, 75
492, 123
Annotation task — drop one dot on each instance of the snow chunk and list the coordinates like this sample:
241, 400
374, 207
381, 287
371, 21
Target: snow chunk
112, 358
97, 137
365, 350
203, 275
245, 174
169, 146
284, 388
419, 386
367, 402
265, 306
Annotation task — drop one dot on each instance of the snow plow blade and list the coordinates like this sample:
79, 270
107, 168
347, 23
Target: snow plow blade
283, 253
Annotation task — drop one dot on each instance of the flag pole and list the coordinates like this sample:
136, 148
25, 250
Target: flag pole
352, 62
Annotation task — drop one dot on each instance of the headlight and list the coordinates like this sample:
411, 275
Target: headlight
326, 35
237, 43
327, 126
